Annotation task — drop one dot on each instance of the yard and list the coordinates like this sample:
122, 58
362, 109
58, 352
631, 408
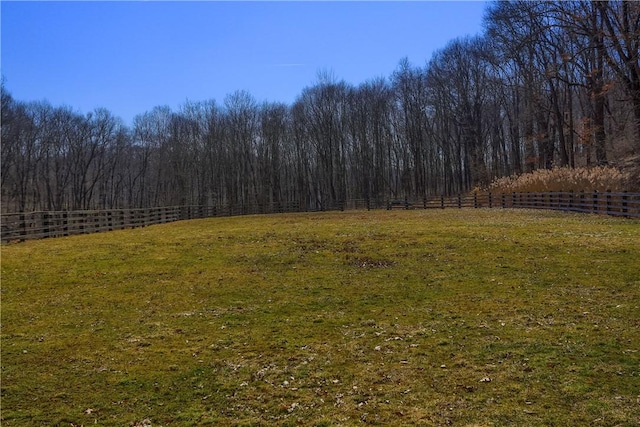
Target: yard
420, 317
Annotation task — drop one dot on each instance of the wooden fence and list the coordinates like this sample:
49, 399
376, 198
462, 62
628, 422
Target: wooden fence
38, 225
608, 203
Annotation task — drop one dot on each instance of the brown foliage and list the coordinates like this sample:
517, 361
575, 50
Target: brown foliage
600, 178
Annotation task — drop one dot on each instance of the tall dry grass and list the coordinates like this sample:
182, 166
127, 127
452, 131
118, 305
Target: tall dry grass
600, 178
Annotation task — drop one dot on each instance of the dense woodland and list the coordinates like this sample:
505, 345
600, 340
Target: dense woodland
546, 84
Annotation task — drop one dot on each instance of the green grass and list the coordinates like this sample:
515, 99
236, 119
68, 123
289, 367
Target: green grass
471, 317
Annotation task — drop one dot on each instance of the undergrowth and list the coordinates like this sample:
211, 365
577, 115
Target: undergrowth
470, 317
600, 178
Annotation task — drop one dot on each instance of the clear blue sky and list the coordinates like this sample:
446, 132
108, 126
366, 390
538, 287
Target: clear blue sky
132, 56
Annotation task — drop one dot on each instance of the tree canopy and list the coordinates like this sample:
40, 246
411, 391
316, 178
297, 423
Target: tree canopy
547, 84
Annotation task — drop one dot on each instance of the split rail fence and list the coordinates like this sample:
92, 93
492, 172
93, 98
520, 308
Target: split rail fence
38, 225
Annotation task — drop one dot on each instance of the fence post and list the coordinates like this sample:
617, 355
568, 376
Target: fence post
502, 200
23, 227
45, 224
65, 224
624, 203
490, 200
475, 200
570, 200
581, 204
441, 201
608, 202
459, 201
82, 219
595, 201
560, 199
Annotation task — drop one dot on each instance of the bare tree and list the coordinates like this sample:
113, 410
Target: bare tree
621, 39
323, 109
241, 115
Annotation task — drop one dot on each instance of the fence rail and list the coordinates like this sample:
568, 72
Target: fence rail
608, 203
38, 225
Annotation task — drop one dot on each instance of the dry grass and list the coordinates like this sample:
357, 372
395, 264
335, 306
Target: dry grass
471, 317
601, 178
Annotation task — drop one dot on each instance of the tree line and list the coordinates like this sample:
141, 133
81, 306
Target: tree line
546, 84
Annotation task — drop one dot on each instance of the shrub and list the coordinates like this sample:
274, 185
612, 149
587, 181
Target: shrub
600, 178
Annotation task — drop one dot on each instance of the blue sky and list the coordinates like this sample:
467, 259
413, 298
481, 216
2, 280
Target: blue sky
132, 56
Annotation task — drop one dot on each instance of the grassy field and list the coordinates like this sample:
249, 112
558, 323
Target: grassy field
471, 317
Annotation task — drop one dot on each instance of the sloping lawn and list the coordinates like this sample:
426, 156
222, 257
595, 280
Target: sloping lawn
470, 317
